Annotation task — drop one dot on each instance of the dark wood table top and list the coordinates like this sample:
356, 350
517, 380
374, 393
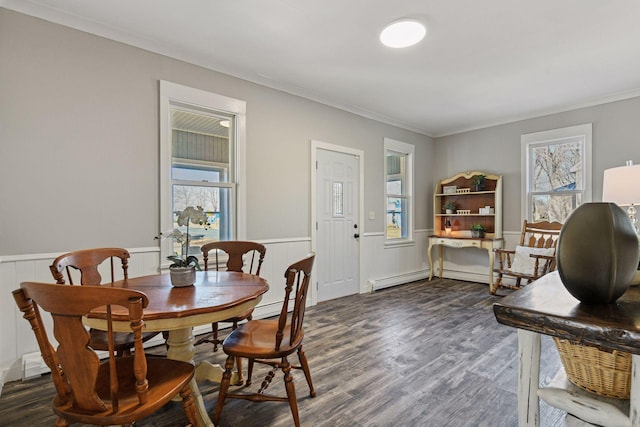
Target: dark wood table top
213, 292
546, 307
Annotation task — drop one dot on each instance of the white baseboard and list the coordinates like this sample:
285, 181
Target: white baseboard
386, 282
467, 276
33, 366
3, 375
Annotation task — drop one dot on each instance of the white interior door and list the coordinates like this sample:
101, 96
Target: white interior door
338, 231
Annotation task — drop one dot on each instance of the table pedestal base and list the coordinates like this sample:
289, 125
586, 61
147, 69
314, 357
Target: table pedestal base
181, 347
213, 372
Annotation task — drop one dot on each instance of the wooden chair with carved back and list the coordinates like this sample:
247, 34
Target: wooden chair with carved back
243, 257
532, 258
271, 342
118, 390
87, 263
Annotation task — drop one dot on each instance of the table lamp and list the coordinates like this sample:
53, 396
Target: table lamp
621, 186
447, 227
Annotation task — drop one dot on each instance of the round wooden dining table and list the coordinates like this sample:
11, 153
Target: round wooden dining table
216, 296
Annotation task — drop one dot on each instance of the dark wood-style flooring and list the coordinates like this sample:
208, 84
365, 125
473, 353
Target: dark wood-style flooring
420, 354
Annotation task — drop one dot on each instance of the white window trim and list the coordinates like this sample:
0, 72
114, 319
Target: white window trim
548, 137
409, 150
176, 93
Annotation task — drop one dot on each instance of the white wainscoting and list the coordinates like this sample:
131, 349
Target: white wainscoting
19, 344
390, 265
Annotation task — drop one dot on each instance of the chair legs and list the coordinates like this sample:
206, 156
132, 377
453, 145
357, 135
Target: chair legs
305, 368
285, 366
224, 387
304, 365
249, 372
239, 367
497, 284
215, 340
291, 391
188, 405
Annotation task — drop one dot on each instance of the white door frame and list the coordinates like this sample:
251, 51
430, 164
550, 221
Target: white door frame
319, 145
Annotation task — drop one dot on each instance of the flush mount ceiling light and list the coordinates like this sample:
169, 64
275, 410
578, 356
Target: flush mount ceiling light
224, 123
403, 33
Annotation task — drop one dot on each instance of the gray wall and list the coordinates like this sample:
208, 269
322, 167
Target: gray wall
79, 144
616, 138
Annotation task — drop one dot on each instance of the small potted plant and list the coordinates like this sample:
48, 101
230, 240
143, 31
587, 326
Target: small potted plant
478, 182
184, 266
449, 206
183, 270
477, 230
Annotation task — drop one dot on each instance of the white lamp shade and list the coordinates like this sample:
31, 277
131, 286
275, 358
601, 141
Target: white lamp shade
621, 185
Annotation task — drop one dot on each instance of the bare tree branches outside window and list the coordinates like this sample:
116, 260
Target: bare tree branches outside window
556, 179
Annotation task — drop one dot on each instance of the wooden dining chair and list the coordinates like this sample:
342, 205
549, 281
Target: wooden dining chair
243, 257
271, 342
119, 390
532, 258
87, 263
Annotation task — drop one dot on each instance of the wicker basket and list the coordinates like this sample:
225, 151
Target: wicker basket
598, 370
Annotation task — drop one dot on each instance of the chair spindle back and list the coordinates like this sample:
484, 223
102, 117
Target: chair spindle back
74, 365
87, 261
239, 253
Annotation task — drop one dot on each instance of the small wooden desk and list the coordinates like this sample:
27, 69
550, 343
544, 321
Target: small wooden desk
545, 307
487, 244
214, 297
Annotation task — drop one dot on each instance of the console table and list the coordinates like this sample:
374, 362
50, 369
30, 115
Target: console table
545, 307
488, 244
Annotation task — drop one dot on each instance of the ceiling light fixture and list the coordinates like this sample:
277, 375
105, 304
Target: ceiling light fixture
224, 123
403, 33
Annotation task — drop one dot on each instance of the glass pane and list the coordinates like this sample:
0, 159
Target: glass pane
557, 167
189, 173
216, 204
396, 218
396, 167
338, 200
554, 207
201, 141
394, 187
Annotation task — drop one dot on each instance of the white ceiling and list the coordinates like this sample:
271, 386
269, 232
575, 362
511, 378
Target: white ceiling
482, 62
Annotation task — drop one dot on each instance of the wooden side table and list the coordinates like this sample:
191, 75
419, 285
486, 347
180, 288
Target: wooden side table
441, 242
545, 307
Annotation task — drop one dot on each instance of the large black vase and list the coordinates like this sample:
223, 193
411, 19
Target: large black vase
597, 253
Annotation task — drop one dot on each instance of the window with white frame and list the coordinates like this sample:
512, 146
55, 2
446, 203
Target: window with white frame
201, 163
556, 172
398, 172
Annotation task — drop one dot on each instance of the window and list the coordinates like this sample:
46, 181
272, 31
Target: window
556, 172
398, 171
201, 164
